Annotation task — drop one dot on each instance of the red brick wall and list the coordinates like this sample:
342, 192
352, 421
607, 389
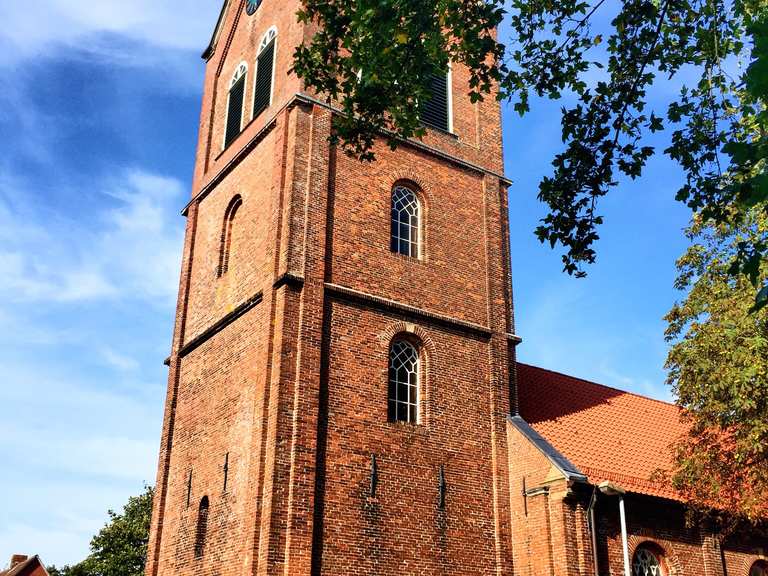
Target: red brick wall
250, 262
403, 529
222, 381
687, 549
239, 42
477, 126
549, 526
454, 252
294, 388
550, 531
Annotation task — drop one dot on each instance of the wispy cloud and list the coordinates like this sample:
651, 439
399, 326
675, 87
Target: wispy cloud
603, 349
77, 444
30, 29
90, 244
119, 361
132, 252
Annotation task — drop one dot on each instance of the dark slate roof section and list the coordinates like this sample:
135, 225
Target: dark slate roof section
570, 471
215, 37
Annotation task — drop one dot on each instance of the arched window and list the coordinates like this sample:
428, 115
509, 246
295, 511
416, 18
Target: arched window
251, 6
226, 234
403, 382
647, 561
406, 222
265, 70
202, 527
436, 110
759, 568
235, 102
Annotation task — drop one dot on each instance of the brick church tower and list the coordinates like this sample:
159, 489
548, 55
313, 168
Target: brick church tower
342, 362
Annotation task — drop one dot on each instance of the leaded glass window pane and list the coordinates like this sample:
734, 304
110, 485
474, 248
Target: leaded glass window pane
646, 563
405, 222
403, 382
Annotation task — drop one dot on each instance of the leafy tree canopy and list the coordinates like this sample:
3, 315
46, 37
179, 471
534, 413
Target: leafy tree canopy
375, 58
120, 548
718, 366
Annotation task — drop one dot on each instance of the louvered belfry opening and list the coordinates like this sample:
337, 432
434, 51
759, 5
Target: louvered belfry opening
235, 111
263, 91
434, 111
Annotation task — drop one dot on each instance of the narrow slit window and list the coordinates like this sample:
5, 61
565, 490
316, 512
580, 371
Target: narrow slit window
235, 102
403, 382
227, 231
202, 527
406, 222
265, 67
436, 109
189, 488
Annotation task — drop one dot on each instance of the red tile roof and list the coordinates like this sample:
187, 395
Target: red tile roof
29, 566
607, 433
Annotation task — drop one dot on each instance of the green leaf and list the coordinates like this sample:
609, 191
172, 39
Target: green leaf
761, 300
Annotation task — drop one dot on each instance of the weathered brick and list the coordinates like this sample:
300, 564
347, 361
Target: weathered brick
293, 386
278, 367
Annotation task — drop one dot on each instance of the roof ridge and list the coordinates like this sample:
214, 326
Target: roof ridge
600, 385
14, 570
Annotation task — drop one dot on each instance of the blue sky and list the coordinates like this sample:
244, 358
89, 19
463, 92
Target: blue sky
98, 112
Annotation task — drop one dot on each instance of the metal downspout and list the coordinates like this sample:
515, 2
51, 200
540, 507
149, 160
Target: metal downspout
624, 543
593, 530
610, 489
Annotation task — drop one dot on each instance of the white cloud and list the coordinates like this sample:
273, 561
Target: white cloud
59, 517
134, 251
32, 28
82, 453
143, 235
78, 448
119, 361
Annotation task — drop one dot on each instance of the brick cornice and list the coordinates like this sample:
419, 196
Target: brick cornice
417, 144
407, 309
217, 179
305, 99
211, 331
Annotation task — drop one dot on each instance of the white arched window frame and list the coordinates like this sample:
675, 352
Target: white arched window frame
449, 82
406, 222
240, 72
647, 562
404, 382
269, 38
